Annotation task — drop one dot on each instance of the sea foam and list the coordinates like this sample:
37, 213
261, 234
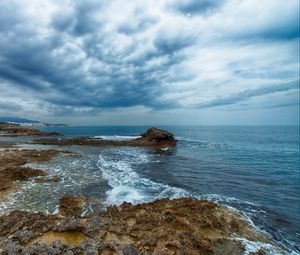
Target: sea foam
127, 184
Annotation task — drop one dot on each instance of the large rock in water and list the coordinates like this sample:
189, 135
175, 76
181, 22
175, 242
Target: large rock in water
153, 137
157, 136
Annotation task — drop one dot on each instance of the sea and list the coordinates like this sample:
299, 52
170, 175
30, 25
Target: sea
254, 169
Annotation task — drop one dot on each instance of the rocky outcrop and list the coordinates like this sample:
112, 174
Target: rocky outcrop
14, 130
180, 226
12, 168
157, 136
153, 137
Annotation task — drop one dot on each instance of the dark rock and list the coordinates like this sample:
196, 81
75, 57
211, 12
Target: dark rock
158, 135
153, 137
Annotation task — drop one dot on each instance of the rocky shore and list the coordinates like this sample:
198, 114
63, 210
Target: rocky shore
13, 171
179, 226
15, 130
153, 137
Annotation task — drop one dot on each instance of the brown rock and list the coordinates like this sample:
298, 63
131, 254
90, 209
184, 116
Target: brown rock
158, 135
54, 178
197, 227
21, 173
12, 169
14, 130
70, 205
152, 138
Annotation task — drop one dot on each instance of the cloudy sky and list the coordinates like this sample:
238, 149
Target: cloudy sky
116, 62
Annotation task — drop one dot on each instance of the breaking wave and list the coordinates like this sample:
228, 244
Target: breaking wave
127, 184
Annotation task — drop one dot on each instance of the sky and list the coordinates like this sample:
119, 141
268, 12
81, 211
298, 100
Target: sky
145, 62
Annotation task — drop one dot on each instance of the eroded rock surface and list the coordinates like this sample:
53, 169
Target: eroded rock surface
153, 137
12, 168
70, 205
180, 226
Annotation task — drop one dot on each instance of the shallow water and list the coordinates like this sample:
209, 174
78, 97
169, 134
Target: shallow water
253, 169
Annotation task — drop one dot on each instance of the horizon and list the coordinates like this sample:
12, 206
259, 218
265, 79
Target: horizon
116, 63
150, 125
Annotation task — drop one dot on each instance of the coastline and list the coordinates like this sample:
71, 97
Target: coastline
238, 247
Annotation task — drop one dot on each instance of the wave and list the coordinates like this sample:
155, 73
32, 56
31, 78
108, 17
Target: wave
116, 137
258, 217
253, 247
223, 199
127, 185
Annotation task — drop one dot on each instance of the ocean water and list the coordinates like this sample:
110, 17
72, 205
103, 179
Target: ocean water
253, 169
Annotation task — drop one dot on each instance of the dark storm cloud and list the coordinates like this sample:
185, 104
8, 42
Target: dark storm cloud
81, 19
62, 21
85, 12
248, 94
92, 55
286, 29
197, 7
171, 44
32, 63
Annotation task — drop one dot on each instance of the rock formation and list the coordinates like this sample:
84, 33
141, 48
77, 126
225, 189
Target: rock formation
12, 168
180, 226
14, 130
153, 137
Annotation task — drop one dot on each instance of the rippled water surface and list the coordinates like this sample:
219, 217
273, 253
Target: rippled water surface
253, 169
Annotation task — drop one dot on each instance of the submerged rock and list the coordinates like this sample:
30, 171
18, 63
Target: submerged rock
54, 178
12, 167
179, 226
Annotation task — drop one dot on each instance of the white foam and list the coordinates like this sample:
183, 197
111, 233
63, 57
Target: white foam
127, 185
124, 193
252, 247
116, 137
221, 199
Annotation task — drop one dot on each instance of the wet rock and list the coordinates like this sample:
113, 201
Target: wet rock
70, 205
258, 252
158, 135
54, 178
5, 184
21, 173
153, 137
12, 168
